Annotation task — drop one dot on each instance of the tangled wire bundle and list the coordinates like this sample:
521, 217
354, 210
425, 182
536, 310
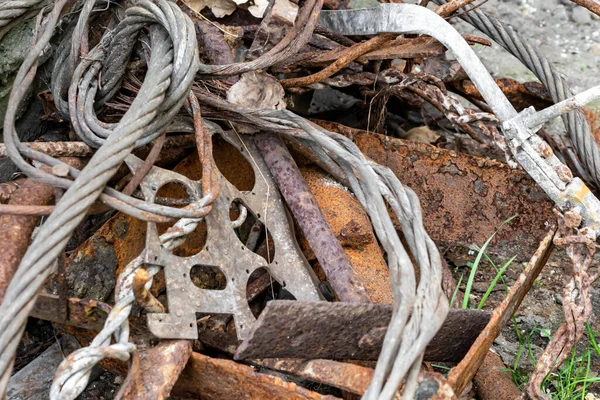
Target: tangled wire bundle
85, 81
80, 89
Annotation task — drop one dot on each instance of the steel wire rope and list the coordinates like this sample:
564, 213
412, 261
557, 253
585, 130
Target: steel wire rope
419, 310
171, 68
74, 371
12, 9
117, 200
578, 128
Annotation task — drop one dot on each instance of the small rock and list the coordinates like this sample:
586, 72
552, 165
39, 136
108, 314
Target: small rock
594, 49
581, 16
421, 134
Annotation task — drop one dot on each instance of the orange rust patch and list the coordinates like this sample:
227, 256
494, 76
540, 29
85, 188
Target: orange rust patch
352, 227
463, 198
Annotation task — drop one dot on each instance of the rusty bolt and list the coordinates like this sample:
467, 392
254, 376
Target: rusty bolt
545, 150
572, 219
60, 170
564, 173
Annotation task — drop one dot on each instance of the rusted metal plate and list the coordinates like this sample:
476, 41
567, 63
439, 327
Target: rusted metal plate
86, 314
448, 183
154, 371
348, 377
346, 331
225, 252
210, 378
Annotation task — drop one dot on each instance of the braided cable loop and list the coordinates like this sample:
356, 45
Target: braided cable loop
171, 70
12, 9
576, 123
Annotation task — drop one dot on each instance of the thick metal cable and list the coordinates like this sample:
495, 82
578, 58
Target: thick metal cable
576, 123
12, 9
419, 310
172, 67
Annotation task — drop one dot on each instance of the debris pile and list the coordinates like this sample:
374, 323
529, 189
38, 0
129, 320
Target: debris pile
245, 199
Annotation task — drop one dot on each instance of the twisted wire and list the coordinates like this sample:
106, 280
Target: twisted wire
419, 310
17, 151
12, 9
576, 123
73, 373
173, 64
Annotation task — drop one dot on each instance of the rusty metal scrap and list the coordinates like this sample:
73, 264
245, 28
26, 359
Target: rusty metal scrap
224, 251
351, 331
577, 304
448, 182
346, 284
351, 378
352, 228
521, 95
153, 372
219, 379
492, 380
86, 314
15, 231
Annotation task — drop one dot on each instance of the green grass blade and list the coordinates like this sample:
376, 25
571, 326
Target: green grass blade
456, 290
465, 303
499, 274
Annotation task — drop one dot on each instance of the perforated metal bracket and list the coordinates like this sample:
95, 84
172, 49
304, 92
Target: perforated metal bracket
223, 250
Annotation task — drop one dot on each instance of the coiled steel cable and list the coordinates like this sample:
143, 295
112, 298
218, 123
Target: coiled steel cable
171, 70
419, 310
576, 123
12, 9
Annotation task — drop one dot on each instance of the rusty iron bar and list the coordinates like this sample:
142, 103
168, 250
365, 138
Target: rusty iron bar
591, 5
445, 10
86, 314
297, 194
154, 372
492, 380
464, 372
350, 378
345, 58
345, 376
15, 231
346, 331
216, 379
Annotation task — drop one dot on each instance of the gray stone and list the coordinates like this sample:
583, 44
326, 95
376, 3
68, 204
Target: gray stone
13, 49
34, 381
581, 16
90, 274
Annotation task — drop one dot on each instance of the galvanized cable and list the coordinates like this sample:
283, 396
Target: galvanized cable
115, 199
73, 373
418, 310
173, 64
576, 123
12, 9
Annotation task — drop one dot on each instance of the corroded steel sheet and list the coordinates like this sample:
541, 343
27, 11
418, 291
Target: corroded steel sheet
345, 331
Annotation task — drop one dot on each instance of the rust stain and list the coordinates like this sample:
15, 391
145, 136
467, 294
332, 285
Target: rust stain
210, 378
448, 183
352, 227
